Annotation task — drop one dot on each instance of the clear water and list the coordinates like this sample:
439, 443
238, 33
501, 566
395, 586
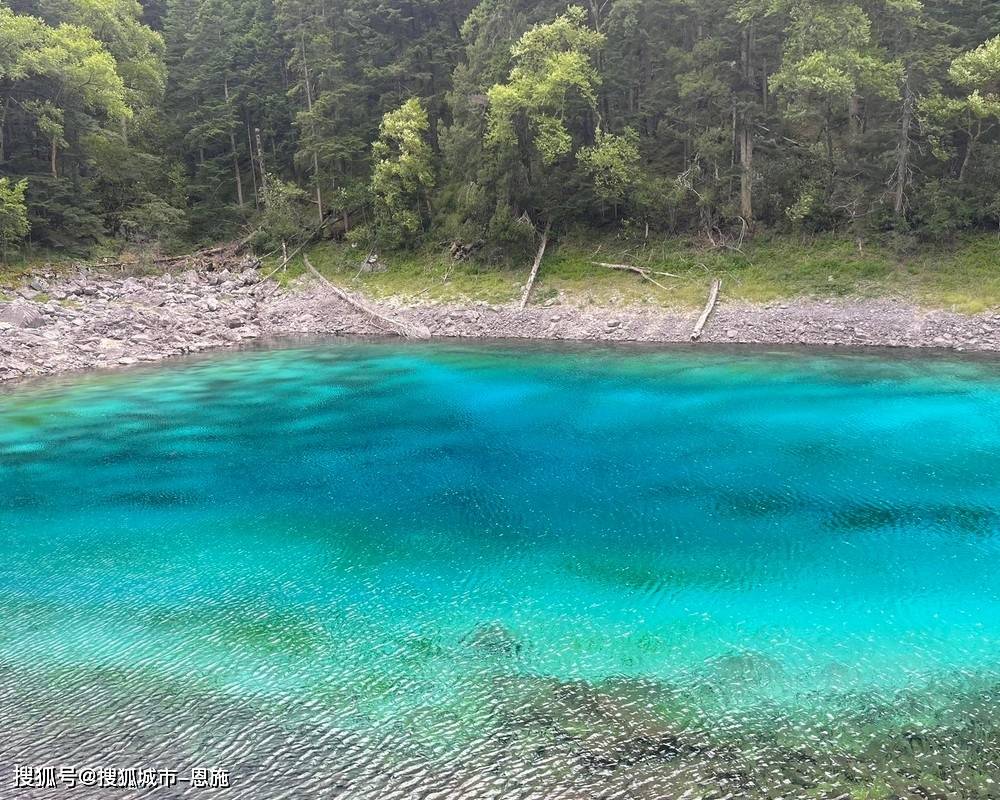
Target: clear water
374, 570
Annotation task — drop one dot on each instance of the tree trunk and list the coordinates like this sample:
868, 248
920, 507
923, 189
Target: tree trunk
746, 130
236, 157
713, 298
734, 143
312, 123
535, 266
597, 8
746, 172
263, 169
763, 86
54, 158
903, 148
3, 126
973, 138
854, 114
236, 169
828, 131
253, 166
407, 329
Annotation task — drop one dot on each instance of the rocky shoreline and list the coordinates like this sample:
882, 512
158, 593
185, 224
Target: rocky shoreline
56, 323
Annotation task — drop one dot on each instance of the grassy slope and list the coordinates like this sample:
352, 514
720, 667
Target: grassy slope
964, 276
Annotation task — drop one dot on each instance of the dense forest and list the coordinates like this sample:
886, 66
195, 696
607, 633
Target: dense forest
172, 122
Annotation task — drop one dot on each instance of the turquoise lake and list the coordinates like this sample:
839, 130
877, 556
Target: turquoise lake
384, 570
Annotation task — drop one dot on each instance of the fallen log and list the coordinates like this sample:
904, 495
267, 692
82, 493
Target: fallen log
639, 271
286, 260
208, 253
534, 268
713, 298
229, 250
631, 268
407, 330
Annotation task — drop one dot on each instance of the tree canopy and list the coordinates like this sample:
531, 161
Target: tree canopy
170, 121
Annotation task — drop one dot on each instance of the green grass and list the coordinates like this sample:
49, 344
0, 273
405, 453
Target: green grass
426, 275
19, 270
963, 277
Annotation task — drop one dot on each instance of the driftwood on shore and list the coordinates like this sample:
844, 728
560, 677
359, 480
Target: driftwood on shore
223, 253
534, 269
287, 257
211, 253
645, 273
713, 298
285, 261
406, 329
117, 320
220, 252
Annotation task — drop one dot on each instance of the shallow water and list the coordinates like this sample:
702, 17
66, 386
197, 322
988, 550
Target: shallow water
375, 570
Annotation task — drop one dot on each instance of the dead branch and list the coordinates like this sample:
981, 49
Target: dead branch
534, 269
289, 256
645, 273
639, 270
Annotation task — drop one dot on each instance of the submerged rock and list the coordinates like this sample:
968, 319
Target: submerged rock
614, 727
493, 639
745, 668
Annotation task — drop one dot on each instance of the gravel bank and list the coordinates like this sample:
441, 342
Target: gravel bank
87, 320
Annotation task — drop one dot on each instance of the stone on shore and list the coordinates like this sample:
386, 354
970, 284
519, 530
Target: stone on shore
100, 320
21, 314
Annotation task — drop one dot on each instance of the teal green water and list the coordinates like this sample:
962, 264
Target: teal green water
384, 570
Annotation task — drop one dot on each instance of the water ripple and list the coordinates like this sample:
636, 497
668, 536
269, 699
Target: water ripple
391, 571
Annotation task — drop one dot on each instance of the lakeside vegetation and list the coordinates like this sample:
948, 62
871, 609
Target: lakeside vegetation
407, 126
963, 276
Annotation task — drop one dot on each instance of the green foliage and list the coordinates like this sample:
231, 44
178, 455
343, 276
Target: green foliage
483, 121
14, 225
979, 69
284, 216
978, 73
613, 165
403, 175
811, 211
510, 238
554, 75
75, 76
68, 55
830, 57
535, 122
941, 212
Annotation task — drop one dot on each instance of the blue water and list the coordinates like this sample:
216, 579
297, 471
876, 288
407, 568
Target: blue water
427, 570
